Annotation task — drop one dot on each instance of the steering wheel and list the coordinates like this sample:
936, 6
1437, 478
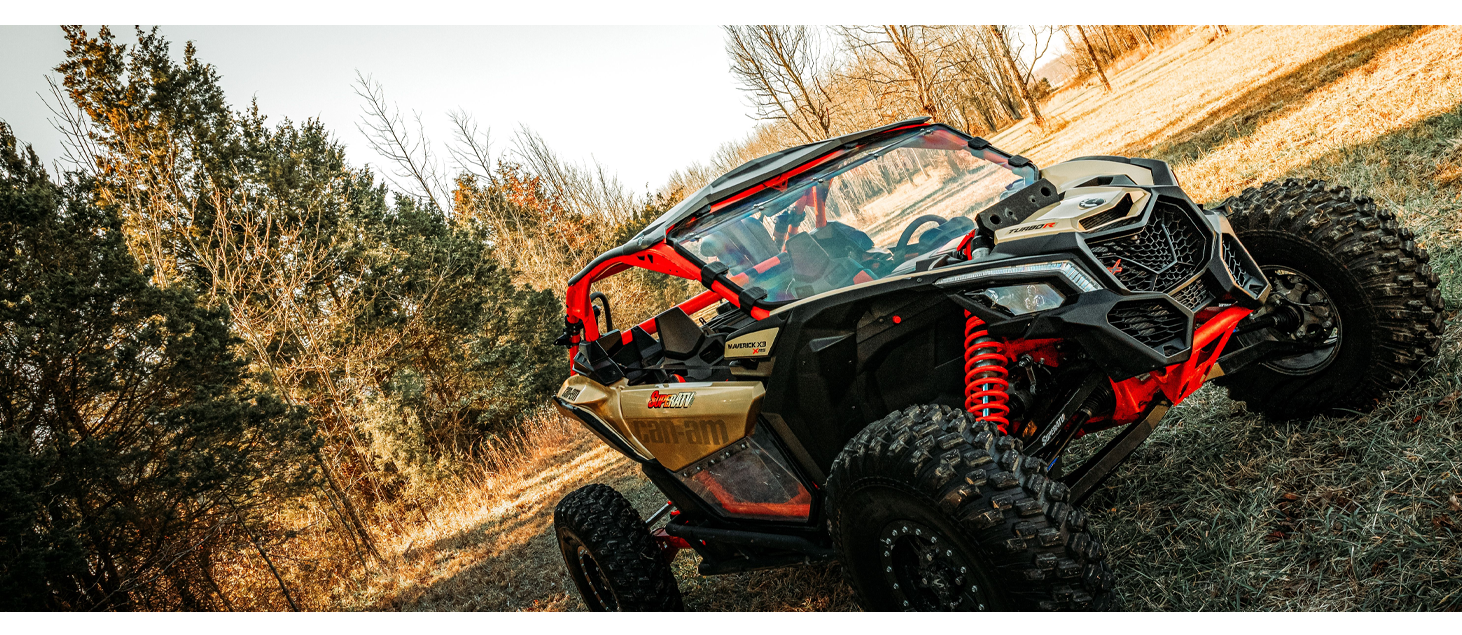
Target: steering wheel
903, 243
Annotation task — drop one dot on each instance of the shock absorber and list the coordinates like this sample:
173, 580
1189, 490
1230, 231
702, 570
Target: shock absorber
986, 378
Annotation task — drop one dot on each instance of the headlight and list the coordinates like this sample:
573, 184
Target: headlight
1021, 299
1065, 268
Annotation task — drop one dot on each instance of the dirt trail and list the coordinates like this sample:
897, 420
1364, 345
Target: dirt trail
499, 553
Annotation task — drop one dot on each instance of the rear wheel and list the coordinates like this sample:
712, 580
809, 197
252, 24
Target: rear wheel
1358, 293
610, 554
931, 510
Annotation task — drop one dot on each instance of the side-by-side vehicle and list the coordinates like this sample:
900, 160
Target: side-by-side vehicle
903, 331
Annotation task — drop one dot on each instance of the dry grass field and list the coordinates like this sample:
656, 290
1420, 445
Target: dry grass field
1220, 510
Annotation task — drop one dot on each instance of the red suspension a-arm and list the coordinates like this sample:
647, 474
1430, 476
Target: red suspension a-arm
1180, 380
987, 361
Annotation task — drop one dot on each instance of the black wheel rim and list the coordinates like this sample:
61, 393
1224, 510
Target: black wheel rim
928, 572
599, 591
1319, 324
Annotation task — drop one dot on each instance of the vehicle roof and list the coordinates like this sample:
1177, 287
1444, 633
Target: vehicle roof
756, 171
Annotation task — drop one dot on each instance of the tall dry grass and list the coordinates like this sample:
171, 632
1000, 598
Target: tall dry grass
323, 570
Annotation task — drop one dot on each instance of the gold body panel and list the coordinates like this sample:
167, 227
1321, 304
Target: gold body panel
1067, 215
1073, 173
675, 424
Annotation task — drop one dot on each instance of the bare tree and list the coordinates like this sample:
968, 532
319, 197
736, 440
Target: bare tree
785, 72
78, 147
589, 190
411, 157
1039, 40
1094, 61
1146, 34
1002, 47
980, 94
912, 63
473, 151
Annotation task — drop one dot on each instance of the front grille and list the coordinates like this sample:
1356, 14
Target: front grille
1103, 218
1166, 253
1155, 323
1237, 268
1194, 296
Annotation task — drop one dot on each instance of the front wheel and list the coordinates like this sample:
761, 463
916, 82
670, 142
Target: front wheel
610, 554
931, 510
1360, 297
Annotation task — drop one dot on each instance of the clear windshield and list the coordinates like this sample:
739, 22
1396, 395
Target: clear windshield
857, 218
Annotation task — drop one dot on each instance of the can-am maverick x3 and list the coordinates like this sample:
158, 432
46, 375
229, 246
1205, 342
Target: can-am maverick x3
909, 329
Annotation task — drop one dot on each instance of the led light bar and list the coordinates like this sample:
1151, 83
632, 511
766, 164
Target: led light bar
1065, 268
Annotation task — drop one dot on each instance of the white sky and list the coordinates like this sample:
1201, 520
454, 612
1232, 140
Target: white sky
644, 101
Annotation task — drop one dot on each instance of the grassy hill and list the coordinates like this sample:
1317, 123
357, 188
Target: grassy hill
1219, 510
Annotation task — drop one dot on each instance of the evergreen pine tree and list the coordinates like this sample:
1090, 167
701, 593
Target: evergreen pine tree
129, 448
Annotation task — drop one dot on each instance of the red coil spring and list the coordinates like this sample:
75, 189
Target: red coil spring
986, 380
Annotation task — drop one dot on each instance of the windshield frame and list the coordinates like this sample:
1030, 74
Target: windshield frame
776, 187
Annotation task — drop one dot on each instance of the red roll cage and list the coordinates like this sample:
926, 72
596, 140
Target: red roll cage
661, 257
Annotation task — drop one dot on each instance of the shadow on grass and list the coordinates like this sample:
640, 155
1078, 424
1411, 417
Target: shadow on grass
1412, 171
1240, 116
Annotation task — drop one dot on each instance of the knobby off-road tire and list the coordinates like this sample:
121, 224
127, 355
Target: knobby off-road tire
930, 484
610, 555
1377, 278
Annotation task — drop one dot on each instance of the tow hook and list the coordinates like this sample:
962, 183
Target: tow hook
667, 544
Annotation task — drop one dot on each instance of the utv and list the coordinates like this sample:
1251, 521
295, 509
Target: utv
905, 328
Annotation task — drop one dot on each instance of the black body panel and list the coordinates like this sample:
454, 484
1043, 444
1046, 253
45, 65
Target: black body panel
850, 364
847, 362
